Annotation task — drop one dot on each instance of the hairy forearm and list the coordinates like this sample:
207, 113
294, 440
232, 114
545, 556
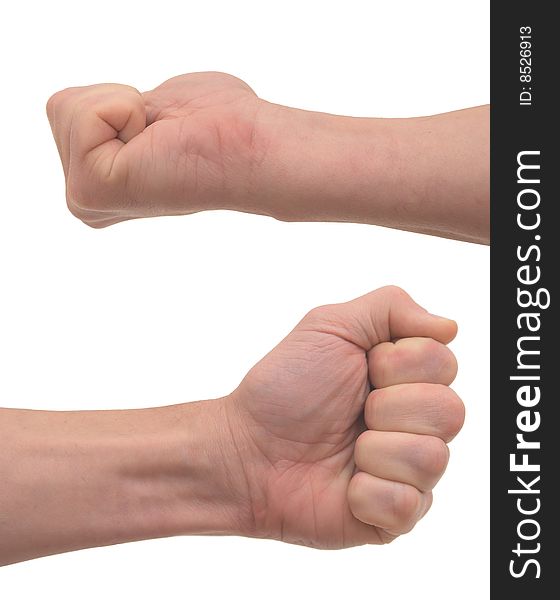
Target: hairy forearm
428, 174
74, 480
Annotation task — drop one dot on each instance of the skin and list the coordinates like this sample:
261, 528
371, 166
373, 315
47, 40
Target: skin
334, 439
205, 141
337, 437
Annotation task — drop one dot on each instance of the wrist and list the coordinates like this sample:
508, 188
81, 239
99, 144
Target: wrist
185, 476
211, 495
313, 166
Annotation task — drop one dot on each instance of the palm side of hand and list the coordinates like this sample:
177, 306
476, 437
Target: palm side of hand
305, 410
303, 405
182, 147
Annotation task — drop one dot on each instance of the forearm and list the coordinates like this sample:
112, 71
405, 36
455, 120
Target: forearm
74, 480
429, 174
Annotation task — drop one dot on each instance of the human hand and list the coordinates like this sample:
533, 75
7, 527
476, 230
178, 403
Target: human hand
342, 428
205, 141
186, 146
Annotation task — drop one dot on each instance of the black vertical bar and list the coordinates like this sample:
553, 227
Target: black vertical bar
525, 258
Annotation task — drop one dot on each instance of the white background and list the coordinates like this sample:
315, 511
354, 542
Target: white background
175, 309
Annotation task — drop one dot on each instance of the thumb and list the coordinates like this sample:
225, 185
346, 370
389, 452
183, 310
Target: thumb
93, 123
386, 314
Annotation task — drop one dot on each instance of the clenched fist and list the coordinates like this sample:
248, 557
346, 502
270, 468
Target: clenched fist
188, 145
344, 424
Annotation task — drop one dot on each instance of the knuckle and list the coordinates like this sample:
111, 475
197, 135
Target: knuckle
58, 98
73, 208
82, 197
432, 456
90, 189
95, 224
385, 537
434, 348
453, 365
320, 314
55, 98
451, 412
394, 292
405, 505
50, 106
448, 359
75, 197
443, 360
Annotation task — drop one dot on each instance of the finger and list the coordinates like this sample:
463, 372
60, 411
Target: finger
428, 501
411, 360
97, 219
418, 460
422, 408
380, 316
102, 223
393, 506
95, 122
60, 109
